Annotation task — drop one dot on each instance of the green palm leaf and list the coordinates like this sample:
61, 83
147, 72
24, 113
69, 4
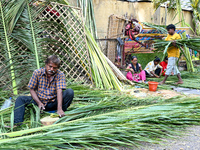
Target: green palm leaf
6, 42
24, 38
121, 127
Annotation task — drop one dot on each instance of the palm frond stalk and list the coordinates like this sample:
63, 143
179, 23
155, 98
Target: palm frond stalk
161, 28
102, 72
190, 66
88, 14
192, 43
6, 39
33, 34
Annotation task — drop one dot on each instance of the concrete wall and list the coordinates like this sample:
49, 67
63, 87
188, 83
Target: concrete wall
143, 11
72, 2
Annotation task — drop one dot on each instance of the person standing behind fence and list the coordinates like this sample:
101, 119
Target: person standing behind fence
173, 54
135, 72
46, 87
153, 69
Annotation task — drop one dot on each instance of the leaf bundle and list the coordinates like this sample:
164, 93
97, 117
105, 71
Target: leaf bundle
192, 43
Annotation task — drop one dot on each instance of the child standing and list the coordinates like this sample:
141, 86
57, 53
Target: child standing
173, 55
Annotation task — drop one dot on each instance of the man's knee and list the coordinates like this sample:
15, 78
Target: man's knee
24, 100
19, 99
69, 92
68, 96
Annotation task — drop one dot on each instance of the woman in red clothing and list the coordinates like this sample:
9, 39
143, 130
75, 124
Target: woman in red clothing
164, 65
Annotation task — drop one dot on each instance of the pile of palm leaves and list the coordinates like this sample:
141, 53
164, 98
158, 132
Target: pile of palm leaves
88, 14
192, 43
102, 73
105, 119
161, 28
184, 45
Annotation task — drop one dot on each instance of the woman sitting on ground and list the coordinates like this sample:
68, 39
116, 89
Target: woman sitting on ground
135, 72
164, 65
153, 69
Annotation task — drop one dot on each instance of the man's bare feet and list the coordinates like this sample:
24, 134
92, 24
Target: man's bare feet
161, 83
179, 82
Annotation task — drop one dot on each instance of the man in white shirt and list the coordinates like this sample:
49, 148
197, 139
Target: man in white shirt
153, 69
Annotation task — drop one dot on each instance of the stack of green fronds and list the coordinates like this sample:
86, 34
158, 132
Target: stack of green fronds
93, 102
192, 43
125, 127
87, 102
160, 28
102, 73
88, 14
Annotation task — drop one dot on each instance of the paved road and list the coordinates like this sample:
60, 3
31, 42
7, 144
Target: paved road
190, 140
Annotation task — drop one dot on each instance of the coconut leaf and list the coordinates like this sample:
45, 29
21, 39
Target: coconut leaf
121, 127
6, 42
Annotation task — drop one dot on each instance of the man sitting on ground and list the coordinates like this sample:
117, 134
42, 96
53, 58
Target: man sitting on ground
153, 69
46, 87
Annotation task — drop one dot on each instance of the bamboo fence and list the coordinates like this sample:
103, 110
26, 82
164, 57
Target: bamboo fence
75, 60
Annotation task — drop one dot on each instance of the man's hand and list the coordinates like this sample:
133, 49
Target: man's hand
41, 106
131, 70
174, 43
157, 76
36, 99
61, 113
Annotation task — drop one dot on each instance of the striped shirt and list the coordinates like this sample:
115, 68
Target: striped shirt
47, 89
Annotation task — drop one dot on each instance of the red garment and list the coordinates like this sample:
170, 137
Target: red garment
164, 65
52, 11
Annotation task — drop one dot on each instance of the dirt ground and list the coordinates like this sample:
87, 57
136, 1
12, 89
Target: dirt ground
142, 92
190, 138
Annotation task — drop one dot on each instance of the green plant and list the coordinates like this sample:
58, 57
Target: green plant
124, 127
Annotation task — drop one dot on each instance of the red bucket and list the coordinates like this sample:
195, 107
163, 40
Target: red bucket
153, 85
